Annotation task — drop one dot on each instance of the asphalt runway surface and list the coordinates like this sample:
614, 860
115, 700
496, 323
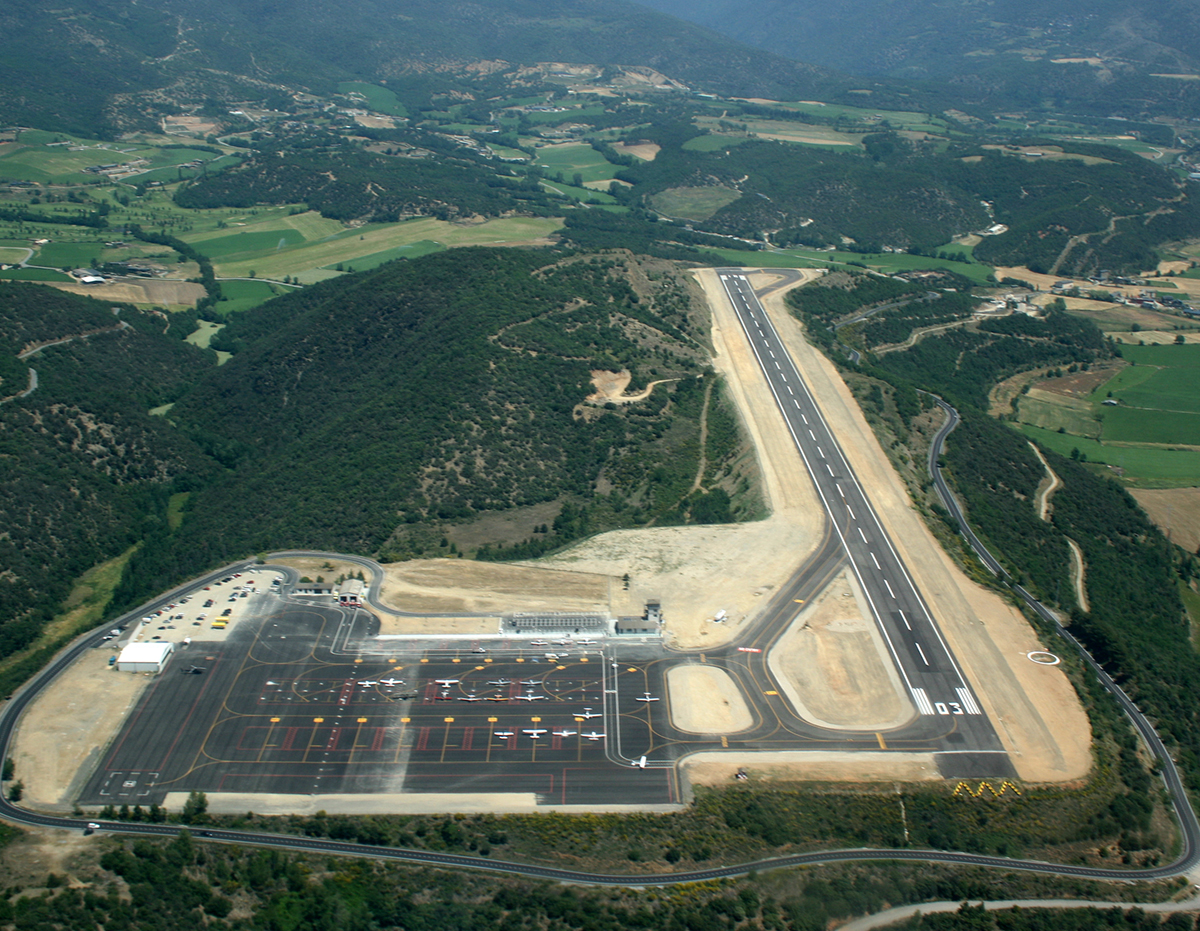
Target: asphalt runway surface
304, 698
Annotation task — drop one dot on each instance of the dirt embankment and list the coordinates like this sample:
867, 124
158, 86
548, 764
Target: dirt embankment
1035, 709
834, 667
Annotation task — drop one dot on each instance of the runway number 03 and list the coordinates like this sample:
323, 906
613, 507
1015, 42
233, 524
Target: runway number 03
941, 708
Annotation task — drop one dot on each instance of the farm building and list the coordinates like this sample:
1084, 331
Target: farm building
145, 657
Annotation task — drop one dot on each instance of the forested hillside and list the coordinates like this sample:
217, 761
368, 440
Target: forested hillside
86, 469
1110, 207
1135, 624
1101, 56
368, 414
349, 184
110, 65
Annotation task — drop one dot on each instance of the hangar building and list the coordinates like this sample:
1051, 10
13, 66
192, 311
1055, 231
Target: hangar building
145, 657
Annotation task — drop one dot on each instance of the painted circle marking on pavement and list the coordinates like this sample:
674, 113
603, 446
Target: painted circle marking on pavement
1042, 658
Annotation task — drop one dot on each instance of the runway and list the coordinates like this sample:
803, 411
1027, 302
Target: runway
306, 699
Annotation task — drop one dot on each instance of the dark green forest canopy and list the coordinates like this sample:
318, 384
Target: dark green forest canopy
913, 197
350, 184
84, 469
361, 410
1136, 625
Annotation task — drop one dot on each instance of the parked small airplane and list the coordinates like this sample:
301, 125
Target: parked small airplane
500, 682
470, 697
587, 714
503, 734
528, 696
497, 698
594, 735
647, 697
641, 764
449, 682
368, 683
565, 733
539, 643
391, 682
528, 682
534, 732
720, 616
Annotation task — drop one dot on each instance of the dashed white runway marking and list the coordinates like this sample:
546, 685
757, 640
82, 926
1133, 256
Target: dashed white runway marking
876, 561
831, 472
820, 451
904, 618
863, 535
851, 511
889, 588
922, 652
813, 435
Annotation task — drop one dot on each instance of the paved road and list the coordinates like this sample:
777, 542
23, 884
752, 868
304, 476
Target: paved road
926, 665
846, 519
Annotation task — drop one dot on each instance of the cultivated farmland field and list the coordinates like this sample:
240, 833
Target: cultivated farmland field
572, 158
693, 203
1145, 467
326, 243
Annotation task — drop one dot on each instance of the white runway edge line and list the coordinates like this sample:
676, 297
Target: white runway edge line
817, 487
725, 279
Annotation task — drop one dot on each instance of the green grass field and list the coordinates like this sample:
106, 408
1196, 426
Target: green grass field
313, 258
693, 203
573, 158
32, 159
33, 274
246, 244
375, 259
242, 295
1143, 466
1074, 415
1139, 425
379, 99
68, 254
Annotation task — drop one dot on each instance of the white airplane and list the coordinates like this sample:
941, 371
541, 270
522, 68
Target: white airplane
503, 733
470, 697
647, 697
529, 696
586, 640
565, 733
539, 643
269, 682
368, 683
587, 714
641, 764
721, 615
391, 682
500, 682
528, 682
534, 732
594, 735
449, 682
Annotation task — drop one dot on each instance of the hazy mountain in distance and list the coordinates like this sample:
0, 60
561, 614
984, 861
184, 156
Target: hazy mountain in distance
985, 49
106, 61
